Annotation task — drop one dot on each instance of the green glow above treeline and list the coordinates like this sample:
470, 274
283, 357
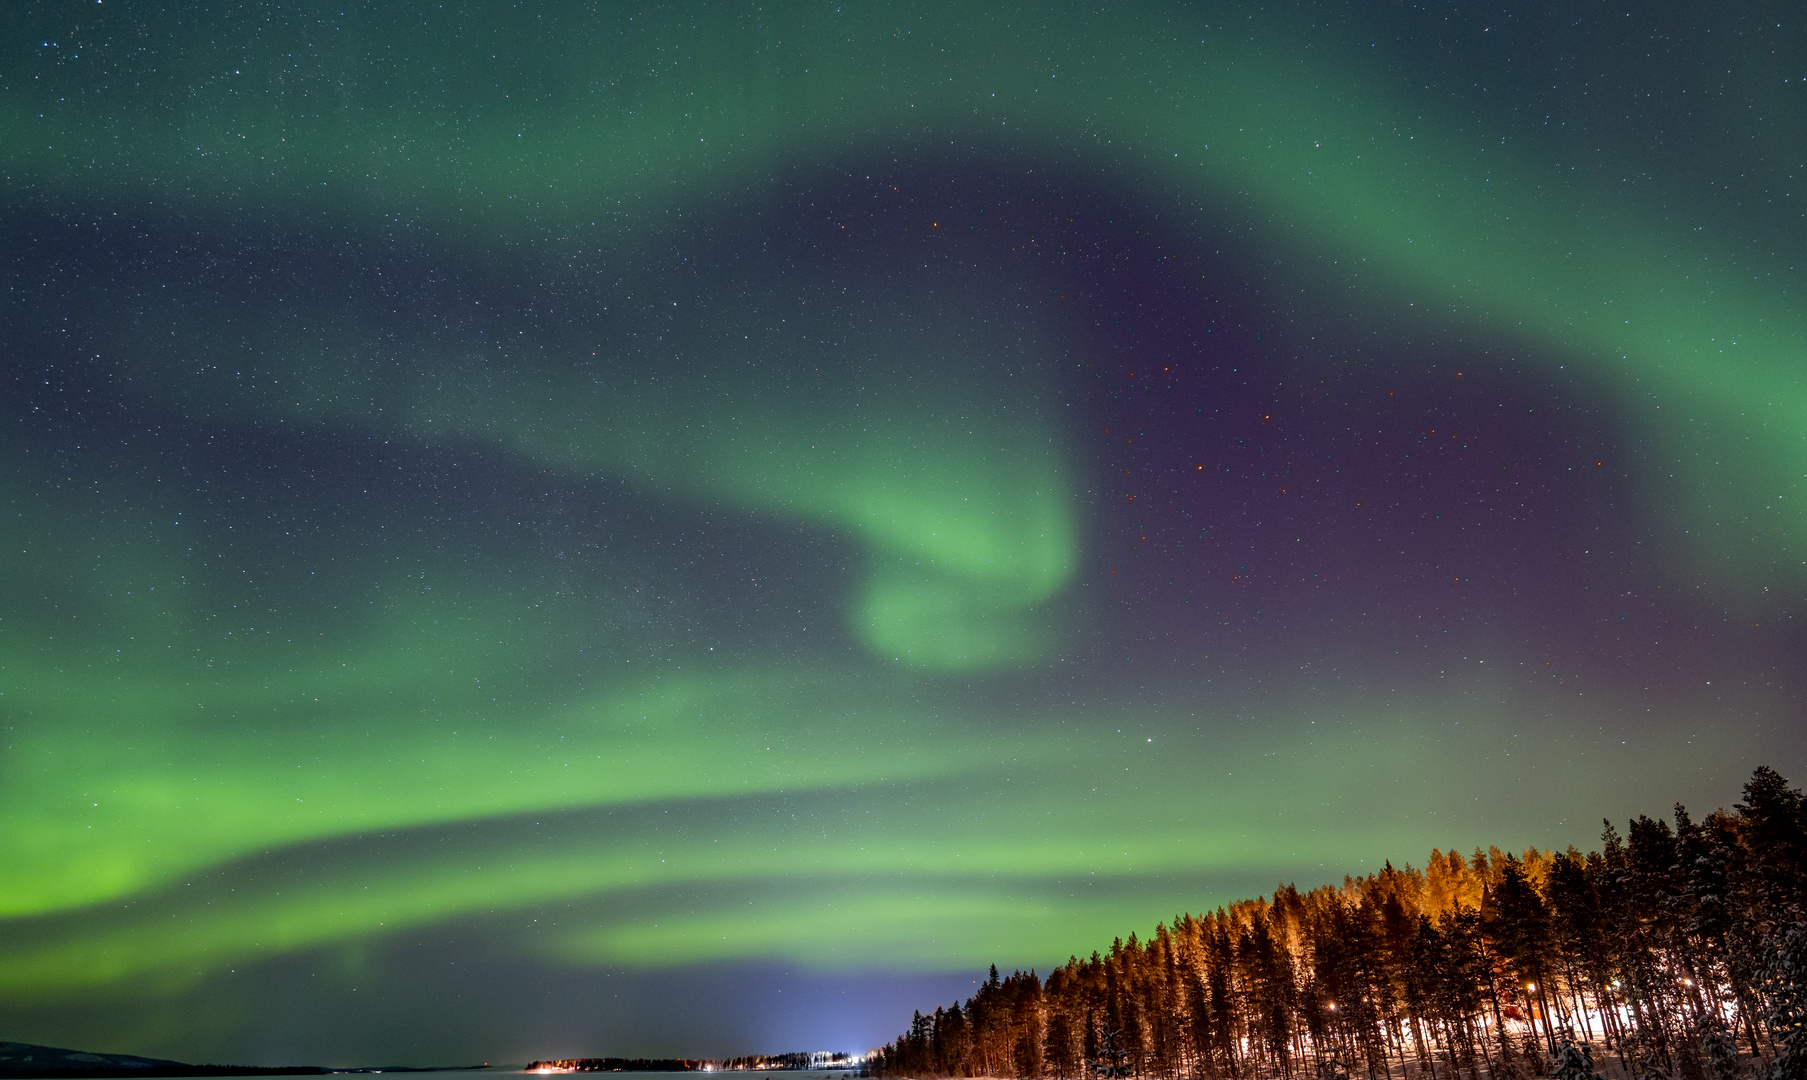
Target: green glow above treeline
937, 455
476, 120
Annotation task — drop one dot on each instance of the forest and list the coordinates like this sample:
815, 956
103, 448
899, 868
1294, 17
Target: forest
1678, 951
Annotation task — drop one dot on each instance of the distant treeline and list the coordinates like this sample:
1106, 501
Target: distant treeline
7, 1073
1679, 949
28, 1061
764, 1062
621, 1065
810, 1060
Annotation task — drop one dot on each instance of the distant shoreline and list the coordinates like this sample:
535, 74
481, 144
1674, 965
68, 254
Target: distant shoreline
791, 1062
100, 1071
164, 1072
25, 1061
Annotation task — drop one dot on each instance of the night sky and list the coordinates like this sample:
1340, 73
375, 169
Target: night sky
559, 529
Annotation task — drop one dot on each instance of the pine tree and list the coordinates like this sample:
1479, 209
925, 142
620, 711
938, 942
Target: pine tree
1720, 1052
1574, 1062
1785, 989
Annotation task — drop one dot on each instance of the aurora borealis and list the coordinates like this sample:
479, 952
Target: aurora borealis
544, 530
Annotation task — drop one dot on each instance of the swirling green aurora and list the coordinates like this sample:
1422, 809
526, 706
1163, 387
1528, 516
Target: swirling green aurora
868, 719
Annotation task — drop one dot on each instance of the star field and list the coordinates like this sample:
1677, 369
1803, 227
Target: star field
673, 532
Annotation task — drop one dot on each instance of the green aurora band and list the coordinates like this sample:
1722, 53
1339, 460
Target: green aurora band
129, 775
